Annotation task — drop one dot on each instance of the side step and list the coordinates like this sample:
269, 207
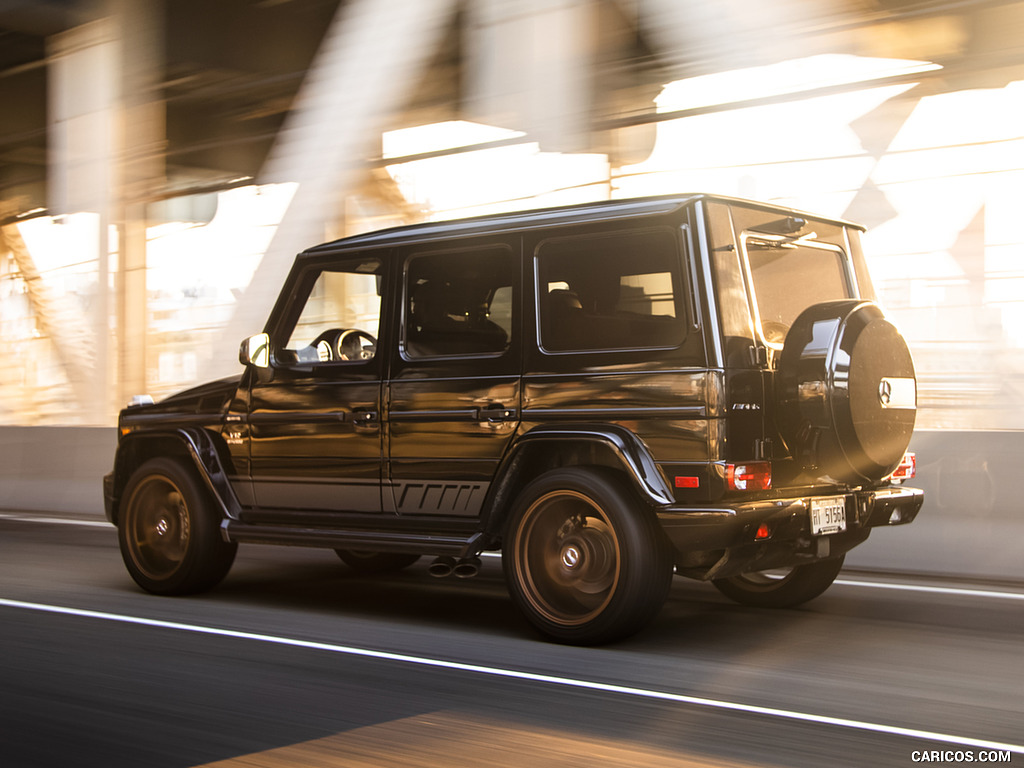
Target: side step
371, 541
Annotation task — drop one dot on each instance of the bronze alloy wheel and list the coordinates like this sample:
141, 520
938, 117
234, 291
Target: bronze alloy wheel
169, 531
159, 527
583, 558
782, 588
570, 557
369, 563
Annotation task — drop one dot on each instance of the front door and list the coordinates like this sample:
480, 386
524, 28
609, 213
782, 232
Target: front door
316, 442
454, 393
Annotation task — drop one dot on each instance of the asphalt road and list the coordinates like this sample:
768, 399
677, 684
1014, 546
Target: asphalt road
295, 661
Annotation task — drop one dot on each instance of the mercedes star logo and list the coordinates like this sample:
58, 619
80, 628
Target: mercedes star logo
885, 392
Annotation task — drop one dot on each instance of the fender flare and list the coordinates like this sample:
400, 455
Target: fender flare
624, 449
193, 441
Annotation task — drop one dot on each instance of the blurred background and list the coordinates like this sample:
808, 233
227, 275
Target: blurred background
162, 161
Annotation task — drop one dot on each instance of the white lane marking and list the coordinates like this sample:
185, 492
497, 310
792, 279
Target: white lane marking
55, 520
567, 682
962, 591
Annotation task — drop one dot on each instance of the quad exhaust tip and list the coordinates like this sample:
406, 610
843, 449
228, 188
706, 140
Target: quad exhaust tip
442, 567
464, 568
467, 567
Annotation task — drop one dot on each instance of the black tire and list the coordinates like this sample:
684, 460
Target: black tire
801, 584
375, 562
583, 560
169, 531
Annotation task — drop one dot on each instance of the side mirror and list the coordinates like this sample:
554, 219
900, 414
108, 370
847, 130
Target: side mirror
255, 351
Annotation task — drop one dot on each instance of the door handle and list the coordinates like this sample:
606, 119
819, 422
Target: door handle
364, 419
496, 412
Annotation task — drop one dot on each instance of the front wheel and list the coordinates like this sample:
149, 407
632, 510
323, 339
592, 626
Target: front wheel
584, 561
786, 589
169, 531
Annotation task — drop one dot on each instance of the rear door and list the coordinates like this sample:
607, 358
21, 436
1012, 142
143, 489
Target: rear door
454, 390
617, 343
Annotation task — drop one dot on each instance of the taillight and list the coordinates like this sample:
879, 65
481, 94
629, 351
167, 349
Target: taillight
907, 468
753, 476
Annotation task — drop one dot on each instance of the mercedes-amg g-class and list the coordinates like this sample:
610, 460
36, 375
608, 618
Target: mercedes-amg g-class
606, 394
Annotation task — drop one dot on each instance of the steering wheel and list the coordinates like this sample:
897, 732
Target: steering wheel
349, 345
343, 344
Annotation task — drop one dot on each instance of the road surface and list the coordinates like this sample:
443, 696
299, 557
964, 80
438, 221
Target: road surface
296, 661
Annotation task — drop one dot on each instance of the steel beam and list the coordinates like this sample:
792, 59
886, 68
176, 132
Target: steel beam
362, 75
59, 321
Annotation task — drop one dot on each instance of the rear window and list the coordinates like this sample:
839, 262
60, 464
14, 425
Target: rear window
619, 291
789, 277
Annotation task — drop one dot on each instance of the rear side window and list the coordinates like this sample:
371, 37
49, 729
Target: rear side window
607, 292
459, 303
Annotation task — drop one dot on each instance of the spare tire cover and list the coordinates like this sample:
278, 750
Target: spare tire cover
847, 394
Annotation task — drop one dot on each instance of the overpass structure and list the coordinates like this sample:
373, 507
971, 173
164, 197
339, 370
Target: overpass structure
134, 131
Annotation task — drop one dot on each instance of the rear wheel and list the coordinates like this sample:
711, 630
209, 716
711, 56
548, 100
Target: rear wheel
375, 562
169, 531
583, 559
781, 589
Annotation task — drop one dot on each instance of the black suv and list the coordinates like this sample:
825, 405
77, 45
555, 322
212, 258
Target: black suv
607, 394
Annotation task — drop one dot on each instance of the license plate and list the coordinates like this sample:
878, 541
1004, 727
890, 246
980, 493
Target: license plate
828, 515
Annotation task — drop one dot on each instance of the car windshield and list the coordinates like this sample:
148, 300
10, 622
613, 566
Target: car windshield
788, 277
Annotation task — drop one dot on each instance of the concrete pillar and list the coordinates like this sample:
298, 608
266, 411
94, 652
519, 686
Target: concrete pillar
691, 37
107, 137
83, 125
530, 68
142, 175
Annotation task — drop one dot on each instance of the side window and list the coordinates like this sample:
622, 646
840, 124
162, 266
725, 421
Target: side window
459, 303
621, 291
338, 321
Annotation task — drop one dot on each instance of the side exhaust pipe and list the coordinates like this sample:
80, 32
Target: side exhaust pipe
467, 567
442, 567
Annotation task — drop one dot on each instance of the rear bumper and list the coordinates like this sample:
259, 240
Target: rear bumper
722, 540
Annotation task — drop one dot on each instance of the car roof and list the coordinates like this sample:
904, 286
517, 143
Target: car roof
497, 223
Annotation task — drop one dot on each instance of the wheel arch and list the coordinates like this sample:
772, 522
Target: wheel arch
193, 447
553, 446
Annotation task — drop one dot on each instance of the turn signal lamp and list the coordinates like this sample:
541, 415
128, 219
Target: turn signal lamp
753, 476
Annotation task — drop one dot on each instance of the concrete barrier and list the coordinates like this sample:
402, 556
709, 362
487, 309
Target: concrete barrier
972, 524
55, 469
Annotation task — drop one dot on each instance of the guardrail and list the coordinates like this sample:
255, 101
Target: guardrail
972, 523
